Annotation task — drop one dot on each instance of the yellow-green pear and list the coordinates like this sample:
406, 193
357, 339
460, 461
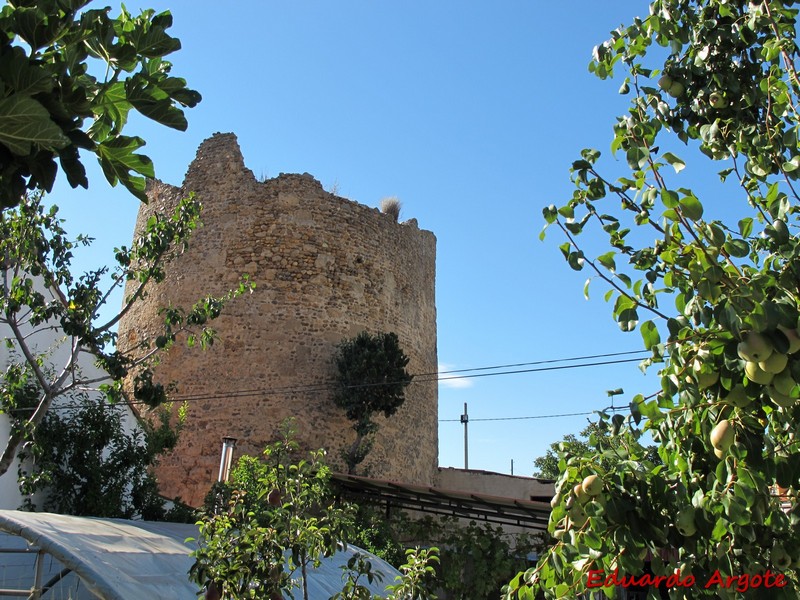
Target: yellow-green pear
685, 522
754, 347
577, 515
592, 485
756, 374
676, 89
784, 382
722, 435
717, 100
719, 453
556, 500
780, 558
705, 379
738, 397
793, 337
581, 496
775, 363
780, 399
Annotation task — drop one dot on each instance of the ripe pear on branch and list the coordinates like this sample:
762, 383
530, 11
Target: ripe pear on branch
717, 100
792, 337
592, 485
785, 383
775, 363
754, 347
738, 397
685, 522
756, 374
705, 374
722, 436
782, 400
580, 495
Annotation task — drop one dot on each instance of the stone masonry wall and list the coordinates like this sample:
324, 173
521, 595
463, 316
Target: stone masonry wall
325, 268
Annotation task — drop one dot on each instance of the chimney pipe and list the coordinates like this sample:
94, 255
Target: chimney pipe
228, 444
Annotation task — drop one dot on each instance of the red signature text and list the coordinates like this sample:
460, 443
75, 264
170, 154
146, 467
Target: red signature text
741, 583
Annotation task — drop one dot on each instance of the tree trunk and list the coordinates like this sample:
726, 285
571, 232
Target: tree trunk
10, 452
353, 458
304, 574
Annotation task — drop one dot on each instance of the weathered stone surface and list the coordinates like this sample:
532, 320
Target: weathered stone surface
325, 268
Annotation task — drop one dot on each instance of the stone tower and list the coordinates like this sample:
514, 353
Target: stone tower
325, 268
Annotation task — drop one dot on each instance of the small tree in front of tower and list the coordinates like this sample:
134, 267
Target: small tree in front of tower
273, 523
280, 518
371, 379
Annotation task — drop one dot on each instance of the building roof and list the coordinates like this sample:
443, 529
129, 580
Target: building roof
113, 559
464, 504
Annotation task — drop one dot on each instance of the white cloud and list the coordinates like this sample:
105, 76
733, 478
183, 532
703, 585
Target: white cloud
451, 380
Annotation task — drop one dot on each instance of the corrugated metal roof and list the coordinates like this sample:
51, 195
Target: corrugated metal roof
467, 505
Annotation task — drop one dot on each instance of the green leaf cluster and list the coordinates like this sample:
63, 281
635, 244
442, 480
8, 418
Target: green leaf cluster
702, 289
476, 560
594, 438
275, 517
69, 77
82, 462
371, 378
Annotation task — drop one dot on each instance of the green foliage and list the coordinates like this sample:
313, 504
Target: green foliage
476, 560
277, 516
381, 535
594, 438
84, 463
52, 103
418, 571
371, 379
357, 569
416, 581
281, 517
722, 294
46, 312
372, 376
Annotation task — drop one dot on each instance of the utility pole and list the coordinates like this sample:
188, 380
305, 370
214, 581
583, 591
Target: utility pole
611, 394
465, 421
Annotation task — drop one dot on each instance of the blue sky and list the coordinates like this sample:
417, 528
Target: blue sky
471, 114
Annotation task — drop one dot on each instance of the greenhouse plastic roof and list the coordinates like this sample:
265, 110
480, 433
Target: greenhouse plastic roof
133, 560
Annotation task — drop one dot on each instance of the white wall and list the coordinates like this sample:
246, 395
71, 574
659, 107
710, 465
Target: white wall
52, 342
495, 484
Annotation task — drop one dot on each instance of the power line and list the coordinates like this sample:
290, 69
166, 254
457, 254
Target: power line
325, 386
543, 362
472, 420
418, 378
424, 377
597, 364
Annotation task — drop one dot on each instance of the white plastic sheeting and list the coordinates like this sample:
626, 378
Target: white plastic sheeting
114, 559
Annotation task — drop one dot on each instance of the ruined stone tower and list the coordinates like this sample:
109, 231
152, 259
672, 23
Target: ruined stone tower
325, 268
